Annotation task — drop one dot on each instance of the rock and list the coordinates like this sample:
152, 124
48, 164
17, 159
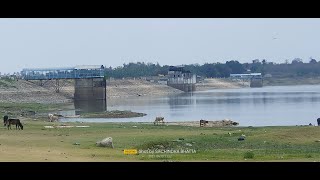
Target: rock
181, 139
134, 126
76, 143
107, 142
160, 146
188, 144
317, 140
241, 138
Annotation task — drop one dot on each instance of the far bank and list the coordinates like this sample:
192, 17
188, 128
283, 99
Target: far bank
22, 91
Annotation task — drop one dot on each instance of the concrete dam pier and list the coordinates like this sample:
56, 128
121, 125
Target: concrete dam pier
181, 79
90, 89
256, 82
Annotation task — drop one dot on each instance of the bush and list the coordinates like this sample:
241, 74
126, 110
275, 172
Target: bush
308, 156
249, 155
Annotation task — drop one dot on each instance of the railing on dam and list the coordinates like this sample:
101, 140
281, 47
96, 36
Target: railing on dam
78, 72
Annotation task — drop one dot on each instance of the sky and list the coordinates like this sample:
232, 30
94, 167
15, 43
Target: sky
64, 42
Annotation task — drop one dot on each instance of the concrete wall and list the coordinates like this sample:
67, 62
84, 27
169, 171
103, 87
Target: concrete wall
90, 89
182, 81
184, 87
256, 82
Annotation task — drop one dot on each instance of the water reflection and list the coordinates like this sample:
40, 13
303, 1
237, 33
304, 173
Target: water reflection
90, 106
182, 100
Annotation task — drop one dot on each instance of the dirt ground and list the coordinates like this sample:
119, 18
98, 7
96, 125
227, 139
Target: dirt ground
220, 83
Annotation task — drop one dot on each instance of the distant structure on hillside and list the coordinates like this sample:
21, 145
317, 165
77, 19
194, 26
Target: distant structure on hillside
181, 79
256, 79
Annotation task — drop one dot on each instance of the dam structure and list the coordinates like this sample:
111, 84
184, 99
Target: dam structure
90, 84
255, 79
181, 79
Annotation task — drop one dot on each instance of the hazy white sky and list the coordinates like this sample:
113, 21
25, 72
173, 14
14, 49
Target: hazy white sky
28, 43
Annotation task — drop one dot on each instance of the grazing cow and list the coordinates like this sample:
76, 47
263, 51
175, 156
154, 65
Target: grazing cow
14, 122
203, 123
318, 121
158, 120
53, 117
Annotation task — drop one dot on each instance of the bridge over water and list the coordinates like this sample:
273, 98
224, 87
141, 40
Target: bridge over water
90, 84
77, 72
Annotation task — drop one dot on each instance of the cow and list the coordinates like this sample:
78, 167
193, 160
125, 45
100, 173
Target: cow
158, 120
53, 117
318, 121
14, 122
203, 123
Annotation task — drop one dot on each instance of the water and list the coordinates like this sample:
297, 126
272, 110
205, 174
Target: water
267, 106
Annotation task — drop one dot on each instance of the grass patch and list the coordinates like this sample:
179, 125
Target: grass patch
36, 143
7, 83
16, 109
248, 155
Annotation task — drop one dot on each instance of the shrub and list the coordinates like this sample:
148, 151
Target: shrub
249, 155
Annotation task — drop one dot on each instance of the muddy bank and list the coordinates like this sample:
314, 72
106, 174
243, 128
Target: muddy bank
218, 123
113, 114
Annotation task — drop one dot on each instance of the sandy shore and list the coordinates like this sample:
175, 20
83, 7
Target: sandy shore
220, 83
131, 88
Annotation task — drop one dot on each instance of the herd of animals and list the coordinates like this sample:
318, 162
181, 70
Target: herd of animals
11, 121
53, 117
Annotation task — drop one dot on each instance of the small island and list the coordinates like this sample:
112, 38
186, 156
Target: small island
113, 114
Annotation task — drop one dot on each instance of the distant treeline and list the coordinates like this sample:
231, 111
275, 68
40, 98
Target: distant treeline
293, 69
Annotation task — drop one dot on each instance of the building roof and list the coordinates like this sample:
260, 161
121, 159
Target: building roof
64, 68
48, 69
89, 67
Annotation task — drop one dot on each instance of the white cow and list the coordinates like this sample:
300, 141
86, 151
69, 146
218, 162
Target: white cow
53, 118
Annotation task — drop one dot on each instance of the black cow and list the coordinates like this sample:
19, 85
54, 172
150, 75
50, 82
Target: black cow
203, 123
318, 120
5, 119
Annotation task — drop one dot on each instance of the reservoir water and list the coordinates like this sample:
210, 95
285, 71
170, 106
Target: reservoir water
266, 106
